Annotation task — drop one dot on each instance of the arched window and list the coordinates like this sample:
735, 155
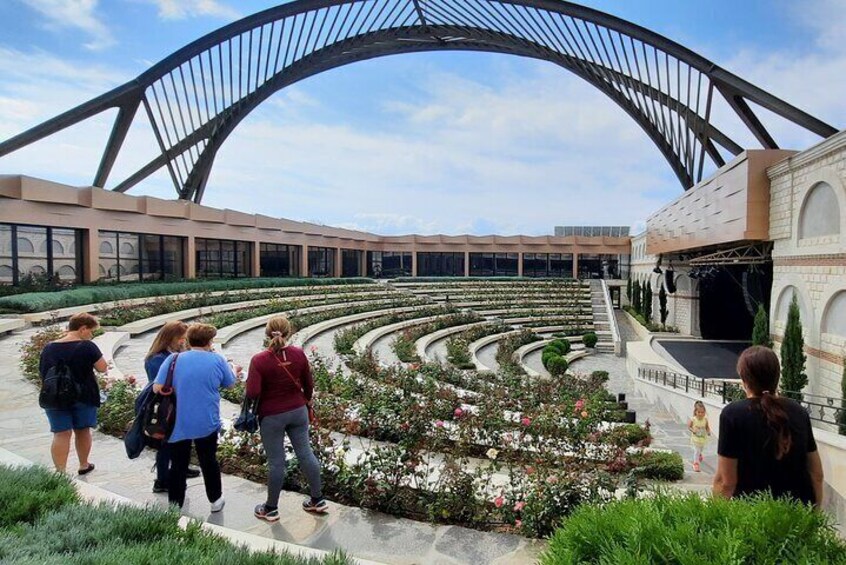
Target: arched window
834, 319
25, 245
6, 273
37, 270
67, 272
102, 271
820, 214
42, 249
127, 249
106, 248
58, 248
783, 305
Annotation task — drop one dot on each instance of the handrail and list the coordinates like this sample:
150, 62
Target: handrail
823, 409
612, 319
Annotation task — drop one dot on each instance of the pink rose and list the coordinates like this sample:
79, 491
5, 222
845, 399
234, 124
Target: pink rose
584, 414
439, 424
552, 479
519, 506
507, 438
458, 413
530, 470
580, 404
499, 501
525, 421
131, 379
518, 523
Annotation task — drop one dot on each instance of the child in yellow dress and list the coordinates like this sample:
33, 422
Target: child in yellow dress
700, 430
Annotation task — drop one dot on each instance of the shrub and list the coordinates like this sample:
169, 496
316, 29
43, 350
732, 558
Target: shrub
793, 377
562, 345
647, 301
234, 394
659, 465
29, 493
598, 378
629, 434
31, 351
116, 414
662, 305
687, 529
557, 366
590, 339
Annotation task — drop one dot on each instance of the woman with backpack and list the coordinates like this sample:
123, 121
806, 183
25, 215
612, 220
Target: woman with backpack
197, 376
170, 339
280, 378
72, 410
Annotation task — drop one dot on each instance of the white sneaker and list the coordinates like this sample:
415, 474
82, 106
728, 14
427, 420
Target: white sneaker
218, 504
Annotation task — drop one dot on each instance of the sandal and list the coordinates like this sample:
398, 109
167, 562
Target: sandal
86, 470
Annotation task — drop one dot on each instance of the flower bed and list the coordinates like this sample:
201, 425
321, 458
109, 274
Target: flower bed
404, 343
345, 338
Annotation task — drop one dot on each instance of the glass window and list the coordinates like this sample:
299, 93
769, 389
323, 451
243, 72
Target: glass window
151, 257
350, 263
173, 257
7, 268
279, 260
129, 256
223, 258
41, 253
321, 261
446, 264
30, 261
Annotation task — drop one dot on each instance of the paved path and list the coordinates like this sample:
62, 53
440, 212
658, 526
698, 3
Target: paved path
361, 533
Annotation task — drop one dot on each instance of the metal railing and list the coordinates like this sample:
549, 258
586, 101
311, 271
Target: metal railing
823, 409
612, 319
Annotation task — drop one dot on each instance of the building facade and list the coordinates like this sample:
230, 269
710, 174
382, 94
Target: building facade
90, 234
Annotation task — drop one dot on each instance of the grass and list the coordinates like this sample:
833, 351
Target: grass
687, 529
56, 528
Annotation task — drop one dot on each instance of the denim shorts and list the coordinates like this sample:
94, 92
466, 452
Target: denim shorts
77, 417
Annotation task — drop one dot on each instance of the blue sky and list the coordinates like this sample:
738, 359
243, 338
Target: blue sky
424, 143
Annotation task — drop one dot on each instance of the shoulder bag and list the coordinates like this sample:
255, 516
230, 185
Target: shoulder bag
312, 417
160, 412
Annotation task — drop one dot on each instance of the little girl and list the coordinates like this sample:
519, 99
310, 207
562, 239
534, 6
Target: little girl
699, 432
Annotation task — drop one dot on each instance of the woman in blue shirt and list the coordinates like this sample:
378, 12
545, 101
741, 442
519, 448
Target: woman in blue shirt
170, 339
198, 376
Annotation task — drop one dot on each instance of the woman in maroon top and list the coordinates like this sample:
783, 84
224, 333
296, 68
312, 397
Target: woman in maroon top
280, 378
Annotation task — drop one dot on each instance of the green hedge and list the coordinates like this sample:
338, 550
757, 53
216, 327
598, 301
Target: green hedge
590, 339
57, 529
688, 529
29, 492
658, 465
94, 294
468, 279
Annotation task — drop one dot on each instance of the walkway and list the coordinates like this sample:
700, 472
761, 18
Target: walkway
361, 533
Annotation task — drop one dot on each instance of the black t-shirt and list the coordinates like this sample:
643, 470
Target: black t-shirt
80, 357
745, 436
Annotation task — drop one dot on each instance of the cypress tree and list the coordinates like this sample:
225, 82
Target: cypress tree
841, 416
793, 377
761, 330
629, 290
636, 297
662, 305
647, 302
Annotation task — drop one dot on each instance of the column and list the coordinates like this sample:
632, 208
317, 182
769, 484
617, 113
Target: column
413, 262
338, 264
466, 263
256, 259
520, 264
304, 261
190, 249
575, 265
362, 263
91, 255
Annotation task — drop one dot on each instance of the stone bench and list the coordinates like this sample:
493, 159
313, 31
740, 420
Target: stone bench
307, 334
364, 343
8, 325
109, 343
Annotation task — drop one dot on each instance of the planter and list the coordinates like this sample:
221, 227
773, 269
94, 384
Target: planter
631, 417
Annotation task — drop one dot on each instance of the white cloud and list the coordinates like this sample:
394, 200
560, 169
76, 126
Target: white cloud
75, 14
181, 9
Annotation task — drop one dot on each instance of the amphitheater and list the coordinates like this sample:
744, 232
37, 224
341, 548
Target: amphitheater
471, 391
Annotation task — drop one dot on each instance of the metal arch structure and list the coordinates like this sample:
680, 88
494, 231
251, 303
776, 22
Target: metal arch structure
197, 96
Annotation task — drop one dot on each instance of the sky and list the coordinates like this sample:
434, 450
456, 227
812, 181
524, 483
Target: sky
421, 143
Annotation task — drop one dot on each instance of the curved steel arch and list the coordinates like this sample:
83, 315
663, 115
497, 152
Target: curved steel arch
197, 96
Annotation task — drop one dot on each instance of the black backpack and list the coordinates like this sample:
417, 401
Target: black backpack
59, 388
160, 410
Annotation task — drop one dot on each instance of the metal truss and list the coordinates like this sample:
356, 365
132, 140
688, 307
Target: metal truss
749, 254
197, 96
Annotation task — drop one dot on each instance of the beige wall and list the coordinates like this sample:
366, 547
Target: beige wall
813, 268
732, 205
25, 200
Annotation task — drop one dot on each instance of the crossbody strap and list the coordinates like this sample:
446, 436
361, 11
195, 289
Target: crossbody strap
168, 386
284, 367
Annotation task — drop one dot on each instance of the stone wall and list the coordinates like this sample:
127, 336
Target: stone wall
808, 196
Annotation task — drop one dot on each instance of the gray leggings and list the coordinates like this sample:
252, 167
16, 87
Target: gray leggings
273, 430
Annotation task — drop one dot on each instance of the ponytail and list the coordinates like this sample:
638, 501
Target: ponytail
775, 413
759, 369
277, 331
